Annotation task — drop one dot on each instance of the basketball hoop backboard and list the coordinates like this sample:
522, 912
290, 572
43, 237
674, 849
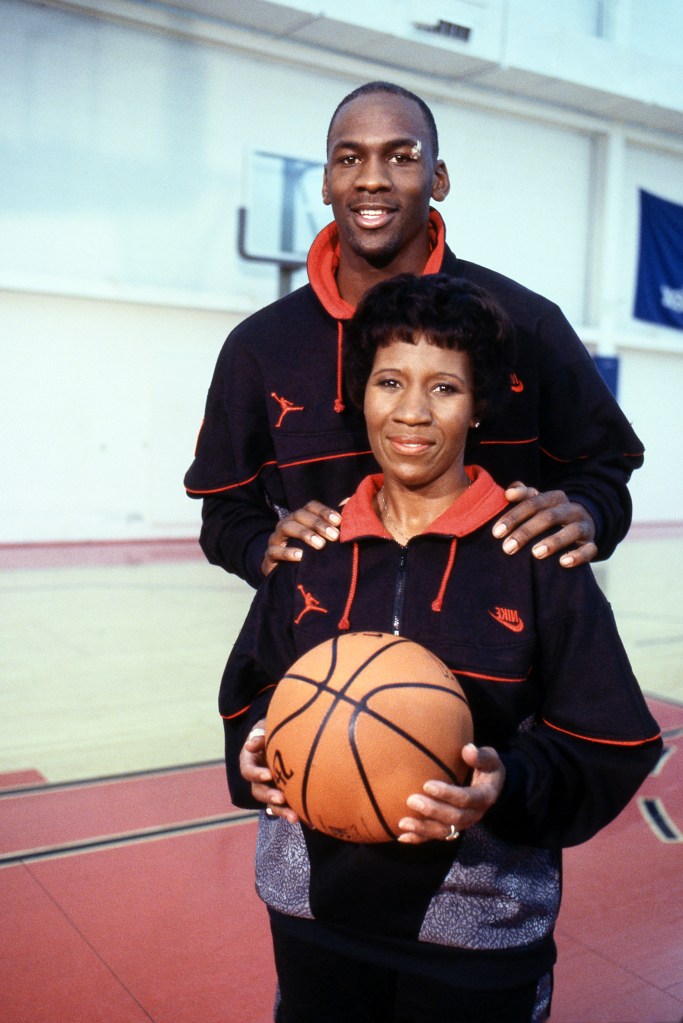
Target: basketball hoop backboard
284, 214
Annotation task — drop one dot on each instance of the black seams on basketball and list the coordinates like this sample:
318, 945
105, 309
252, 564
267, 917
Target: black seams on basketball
358, 724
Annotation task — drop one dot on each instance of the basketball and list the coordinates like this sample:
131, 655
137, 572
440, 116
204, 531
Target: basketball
358, 724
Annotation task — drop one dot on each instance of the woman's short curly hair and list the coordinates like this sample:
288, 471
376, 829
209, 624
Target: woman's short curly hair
451, 313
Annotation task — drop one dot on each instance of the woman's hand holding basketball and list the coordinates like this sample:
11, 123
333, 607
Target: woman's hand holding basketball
254, 769
444, 809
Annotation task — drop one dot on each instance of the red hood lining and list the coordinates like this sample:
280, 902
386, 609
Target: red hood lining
323, 260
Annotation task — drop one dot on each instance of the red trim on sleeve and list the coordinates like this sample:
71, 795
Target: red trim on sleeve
604, 742
323, 458
229, 717
280, 465
489, 678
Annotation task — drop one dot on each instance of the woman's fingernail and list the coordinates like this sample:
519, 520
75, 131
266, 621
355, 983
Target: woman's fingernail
510, 546
317, 541
332, 533
499, 530
540, 550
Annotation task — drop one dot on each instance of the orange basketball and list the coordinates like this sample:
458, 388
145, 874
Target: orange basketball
358, 724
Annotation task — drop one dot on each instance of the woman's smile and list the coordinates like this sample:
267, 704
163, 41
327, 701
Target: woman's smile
410, 445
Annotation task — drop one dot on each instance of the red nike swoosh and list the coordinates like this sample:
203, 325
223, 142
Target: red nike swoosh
512, 626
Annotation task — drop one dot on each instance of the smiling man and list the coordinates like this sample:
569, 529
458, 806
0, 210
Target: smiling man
382, 172
271, 482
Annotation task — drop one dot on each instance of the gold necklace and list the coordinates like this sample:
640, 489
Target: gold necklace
386, 515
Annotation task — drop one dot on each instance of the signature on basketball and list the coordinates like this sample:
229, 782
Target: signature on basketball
281, 774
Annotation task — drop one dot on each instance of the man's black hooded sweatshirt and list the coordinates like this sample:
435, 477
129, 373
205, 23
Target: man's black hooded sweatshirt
279, 430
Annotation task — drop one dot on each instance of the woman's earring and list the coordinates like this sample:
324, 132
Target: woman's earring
476, 424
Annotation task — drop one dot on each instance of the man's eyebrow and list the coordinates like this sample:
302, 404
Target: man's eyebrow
409, 140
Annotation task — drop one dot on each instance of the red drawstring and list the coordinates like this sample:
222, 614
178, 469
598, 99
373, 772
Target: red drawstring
344, 623
438, 601
339, 402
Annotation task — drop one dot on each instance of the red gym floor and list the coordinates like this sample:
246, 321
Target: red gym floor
131, 899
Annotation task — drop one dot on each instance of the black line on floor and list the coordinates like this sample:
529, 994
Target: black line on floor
149, 772
128, 838
658, 819
84, 938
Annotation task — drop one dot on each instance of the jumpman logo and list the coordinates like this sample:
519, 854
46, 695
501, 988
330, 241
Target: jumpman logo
286, 406
310, 604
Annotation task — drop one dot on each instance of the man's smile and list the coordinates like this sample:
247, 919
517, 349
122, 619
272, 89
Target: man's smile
369, 215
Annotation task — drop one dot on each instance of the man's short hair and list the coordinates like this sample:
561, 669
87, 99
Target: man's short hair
449, 312
372, 88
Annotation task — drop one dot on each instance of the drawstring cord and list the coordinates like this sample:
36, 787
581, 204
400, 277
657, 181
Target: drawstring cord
344, 622
438, 600
339, 401
437, 603
322, 263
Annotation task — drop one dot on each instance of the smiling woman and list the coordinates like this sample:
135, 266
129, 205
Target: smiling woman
411, 366
454, 921
419, 406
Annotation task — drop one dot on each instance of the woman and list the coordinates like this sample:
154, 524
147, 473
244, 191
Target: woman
454, 921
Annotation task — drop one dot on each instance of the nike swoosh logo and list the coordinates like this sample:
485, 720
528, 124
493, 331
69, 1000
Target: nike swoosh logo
514, 626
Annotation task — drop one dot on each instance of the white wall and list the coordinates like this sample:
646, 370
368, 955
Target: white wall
109, 344
124, 176
650, 394
519, 202
100, 405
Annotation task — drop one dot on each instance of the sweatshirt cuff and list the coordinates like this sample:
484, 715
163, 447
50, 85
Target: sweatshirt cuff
236, 736
508, 816
254, 554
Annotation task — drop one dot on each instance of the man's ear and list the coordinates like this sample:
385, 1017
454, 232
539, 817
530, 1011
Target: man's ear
326, 190
442, 184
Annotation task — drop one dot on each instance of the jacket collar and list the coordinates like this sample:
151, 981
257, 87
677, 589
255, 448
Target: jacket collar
323, 260
480, 502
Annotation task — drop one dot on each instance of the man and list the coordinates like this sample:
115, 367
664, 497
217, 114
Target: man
279, 437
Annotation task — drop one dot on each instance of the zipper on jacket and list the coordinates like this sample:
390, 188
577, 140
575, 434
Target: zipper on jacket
399, 592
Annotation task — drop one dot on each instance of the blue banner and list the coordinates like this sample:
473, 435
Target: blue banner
608, 368
659, 289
